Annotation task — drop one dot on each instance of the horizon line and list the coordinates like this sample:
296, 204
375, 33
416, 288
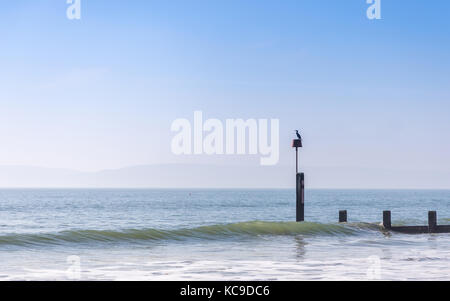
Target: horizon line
212, 188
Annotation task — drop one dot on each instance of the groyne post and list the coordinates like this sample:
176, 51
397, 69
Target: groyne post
432, 221
387, 219
343, 216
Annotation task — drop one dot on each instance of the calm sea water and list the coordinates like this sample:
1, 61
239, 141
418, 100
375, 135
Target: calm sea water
218, 235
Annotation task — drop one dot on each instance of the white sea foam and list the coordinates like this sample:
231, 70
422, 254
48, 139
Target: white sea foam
431, 265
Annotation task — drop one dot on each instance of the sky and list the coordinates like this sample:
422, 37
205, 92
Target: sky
102, 92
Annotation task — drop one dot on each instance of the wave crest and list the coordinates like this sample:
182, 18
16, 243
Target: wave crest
213, 232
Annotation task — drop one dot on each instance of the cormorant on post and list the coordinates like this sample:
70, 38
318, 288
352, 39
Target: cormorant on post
298, 135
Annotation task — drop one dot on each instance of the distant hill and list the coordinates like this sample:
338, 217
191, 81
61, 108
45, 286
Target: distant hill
149, 176
215, 176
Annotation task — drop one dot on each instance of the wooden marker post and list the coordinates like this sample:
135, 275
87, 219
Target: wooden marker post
300, 197
300, 185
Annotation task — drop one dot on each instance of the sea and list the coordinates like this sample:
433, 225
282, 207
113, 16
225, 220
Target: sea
215, 234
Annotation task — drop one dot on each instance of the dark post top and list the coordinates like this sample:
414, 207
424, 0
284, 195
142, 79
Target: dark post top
297, 143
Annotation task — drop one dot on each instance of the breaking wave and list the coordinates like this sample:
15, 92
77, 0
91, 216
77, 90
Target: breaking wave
213, 232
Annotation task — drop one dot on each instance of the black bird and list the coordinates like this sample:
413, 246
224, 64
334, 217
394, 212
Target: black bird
298, 135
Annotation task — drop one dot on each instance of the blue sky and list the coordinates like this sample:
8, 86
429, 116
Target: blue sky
103, 91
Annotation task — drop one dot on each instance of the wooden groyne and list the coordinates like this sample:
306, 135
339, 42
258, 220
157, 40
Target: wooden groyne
432, 227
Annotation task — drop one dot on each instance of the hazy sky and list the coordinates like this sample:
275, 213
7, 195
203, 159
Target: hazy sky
103, 91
